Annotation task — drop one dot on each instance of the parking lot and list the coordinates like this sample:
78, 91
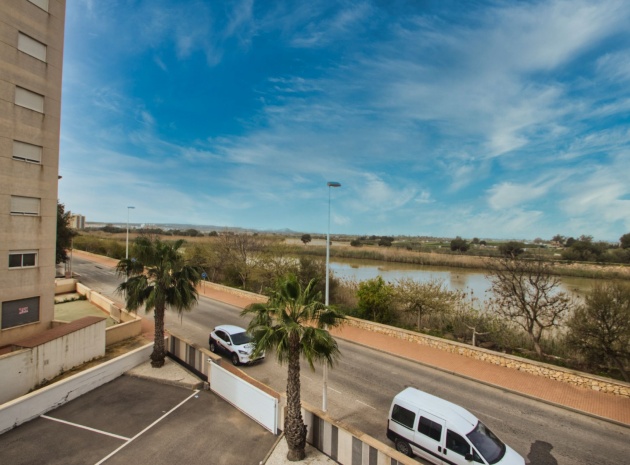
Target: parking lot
135, 421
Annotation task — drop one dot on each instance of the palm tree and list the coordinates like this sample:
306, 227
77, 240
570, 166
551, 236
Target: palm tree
158, 278
292, 323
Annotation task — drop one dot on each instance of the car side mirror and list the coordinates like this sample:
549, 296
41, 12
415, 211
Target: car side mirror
468, 457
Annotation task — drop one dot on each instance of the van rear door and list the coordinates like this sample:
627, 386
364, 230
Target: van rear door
429, 437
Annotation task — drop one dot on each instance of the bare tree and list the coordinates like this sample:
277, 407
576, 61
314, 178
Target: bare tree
600, 329
524, 291
238, 253
422, 299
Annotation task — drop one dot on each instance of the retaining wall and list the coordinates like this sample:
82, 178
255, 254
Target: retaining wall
576, 378
129, 324
25, 408
33, 365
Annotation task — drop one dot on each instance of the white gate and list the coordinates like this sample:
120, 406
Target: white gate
250, 400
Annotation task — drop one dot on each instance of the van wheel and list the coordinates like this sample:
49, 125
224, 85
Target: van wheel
235, 360
403, 447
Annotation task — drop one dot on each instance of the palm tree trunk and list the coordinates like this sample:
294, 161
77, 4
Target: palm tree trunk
294, 427
159, 352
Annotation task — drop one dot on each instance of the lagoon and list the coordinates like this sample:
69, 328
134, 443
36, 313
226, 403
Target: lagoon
456, 279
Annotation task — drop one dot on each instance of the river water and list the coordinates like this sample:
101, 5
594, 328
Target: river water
456, 279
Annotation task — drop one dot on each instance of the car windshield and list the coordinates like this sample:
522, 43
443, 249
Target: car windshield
239, 339
487, 443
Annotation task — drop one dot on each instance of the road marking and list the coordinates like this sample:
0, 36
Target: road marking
373, 408
486, 415
148, 427
85, 427
333, 389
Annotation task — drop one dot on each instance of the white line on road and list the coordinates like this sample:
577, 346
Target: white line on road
373, 408
333, 389
149, 427
85, 427
477, 413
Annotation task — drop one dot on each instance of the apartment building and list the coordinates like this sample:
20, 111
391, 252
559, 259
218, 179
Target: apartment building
31, 56
76, 221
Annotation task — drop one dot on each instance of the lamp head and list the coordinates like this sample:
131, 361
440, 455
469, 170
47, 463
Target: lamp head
333, 184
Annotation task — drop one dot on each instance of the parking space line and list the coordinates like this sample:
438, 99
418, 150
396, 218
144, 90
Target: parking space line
148, 427
85, 427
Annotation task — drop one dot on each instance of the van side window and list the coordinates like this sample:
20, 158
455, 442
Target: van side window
459, 445
430, 428
456, 443
403, 416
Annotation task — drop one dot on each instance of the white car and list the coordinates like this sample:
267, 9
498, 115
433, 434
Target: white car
235, 342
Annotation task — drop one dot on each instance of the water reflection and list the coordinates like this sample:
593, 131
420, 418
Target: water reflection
457, 279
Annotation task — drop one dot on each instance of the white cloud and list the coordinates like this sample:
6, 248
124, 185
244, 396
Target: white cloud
507, 195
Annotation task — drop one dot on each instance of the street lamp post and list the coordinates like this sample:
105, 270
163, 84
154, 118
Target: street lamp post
127, 243
327, 295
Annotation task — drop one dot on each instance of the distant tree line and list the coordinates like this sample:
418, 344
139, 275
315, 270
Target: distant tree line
191, 232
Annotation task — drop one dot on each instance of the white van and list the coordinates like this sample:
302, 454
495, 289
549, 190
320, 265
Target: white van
444, 433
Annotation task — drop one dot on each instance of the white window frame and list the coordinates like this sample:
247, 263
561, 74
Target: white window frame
27, 206
43, 4
32, 47
30, 153
22, 253
29, 99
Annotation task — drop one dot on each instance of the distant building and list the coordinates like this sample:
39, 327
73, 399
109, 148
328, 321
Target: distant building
30, 108
76, 221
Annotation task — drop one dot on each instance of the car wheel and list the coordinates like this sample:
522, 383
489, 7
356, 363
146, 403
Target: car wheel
235, 360
213, 347
403, 447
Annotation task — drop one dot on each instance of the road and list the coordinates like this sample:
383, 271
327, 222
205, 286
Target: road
362, 385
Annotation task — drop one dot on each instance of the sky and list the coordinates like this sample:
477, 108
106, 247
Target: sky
488, 119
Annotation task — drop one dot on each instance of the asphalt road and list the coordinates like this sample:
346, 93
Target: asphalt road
362, 385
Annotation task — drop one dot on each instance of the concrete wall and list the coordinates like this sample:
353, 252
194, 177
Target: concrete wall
65, 285
576, 378
25, 408
28, 368
231, 290
123, 331
129, 324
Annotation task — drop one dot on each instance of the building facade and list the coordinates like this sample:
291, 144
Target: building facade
76, 221
31, 57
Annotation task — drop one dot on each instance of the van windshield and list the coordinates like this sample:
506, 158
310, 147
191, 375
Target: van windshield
487, 443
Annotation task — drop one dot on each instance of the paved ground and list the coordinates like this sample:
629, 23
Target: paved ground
137, 421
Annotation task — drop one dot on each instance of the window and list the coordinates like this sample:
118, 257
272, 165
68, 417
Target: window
24, 205
27, 99
430, 428
456, 443
487, 443
31, 47
27, 152
43, 4
403, 416
20, 312
23, 259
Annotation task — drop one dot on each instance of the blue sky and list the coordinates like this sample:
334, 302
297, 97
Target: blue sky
490, 119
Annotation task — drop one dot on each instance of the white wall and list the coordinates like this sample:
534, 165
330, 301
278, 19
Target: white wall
25, 408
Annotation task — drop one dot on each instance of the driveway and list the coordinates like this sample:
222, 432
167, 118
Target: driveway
135, 421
